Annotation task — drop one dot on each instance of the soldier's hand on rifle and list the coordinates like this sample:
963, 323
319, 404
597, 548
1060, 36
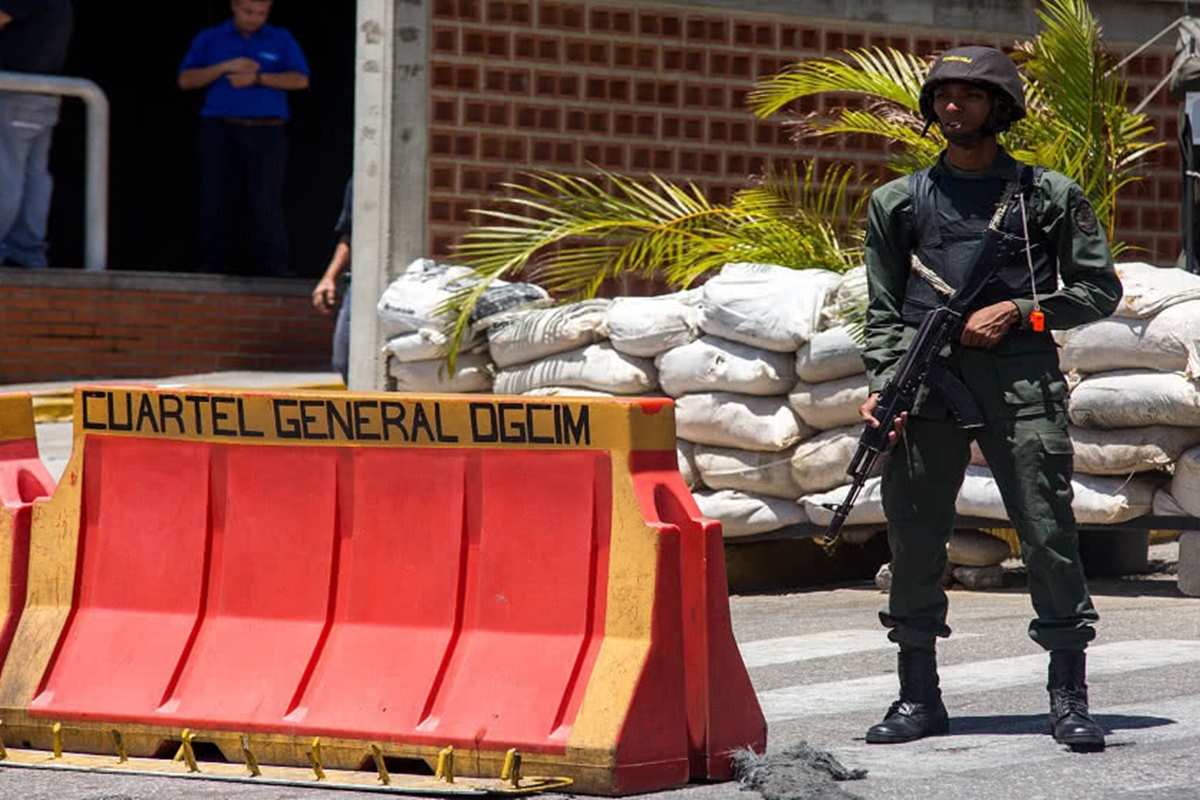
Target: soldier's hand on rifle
987, 326
867, 411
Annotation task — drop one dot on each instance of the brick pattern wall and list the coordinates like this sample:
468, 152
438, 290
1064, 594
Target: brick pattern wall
635, 88
61, 332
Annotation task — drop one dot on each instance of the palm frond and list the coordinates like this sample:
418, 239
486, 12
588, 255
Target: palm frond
571, 235
888, 74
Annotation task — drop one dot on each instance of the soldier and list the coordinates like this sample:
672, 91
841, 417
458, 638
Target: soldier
1061, 276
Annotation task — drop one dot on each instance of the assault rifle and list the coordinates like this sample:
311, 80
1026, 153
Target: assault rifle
940, 329
922, 363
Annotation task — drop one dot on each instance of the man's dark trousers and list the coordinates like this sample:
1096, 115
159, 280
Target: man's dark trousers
233, 156
1031, 461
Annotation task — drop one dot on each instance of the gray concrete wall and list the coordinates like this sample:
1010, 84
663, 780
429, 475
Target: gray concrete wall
391, 103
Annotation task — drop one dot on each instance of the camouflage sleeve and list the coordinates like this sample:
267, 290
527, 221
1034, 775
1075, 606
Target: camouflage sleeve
887, 252
1090, 288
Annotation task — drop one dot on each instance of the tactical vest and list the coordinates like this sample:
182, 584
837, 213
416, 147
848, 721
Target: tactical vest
945, 240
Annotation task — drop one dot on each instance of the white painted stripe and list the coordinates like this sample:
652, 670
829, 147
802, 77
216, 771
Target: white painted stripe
793, 702
789, 649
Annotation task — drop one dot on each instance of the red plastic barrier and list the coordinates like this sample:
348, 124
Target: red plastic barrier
479, 563
719, 719
563, 597
143, 545
23, 479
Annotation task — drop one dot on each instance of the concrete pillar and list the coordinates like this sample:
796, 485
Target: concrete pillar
391, 111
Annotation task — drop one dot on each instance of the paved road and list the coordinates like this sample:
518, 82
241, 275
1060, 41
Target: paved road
824, 672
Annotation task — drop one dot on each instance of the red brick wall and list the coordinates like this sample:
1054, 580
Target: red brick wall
634, 89
59, 324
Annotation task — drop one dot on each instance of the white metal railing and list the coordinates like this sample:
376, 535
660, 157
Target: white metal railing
95, 250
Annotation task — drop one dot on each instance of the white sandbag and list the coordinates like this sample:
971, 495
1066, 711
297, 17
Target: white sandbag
411, 301
597, 366
647, 326
685, 452
565, 391
426, 344
725, 419
743, 514
1147, 289
521, 337
971, 548
850, 301
1121, 451
767, 306
1098, 499
1185, 485
1134, 399
827, 356
747, 471
820, 463
831, 404
473, 374
867, 510
502, 297
710, 364
1103, 500
1167, 342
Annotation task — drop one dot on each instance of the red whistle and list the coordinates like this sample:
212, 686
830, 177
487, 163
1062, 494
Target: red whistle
1037, 320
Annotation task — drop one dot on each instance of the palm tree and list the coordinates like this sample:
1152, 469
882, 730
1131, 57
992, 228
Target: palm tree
572, 235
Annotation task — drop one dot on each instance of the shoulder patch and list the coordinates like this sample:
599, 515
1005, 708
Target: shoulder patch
1085, 217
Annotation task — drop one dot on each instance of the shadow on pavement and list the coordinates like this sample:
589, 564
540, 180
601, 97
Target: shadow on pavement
1025, 724
1159, 585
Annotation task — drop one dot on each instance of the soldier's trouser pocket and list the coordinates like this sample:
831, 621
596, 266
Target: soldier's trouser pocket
1031, 461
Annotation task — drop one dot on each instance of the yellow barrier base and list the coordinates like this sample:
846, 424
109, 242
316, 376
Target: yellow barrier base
373, 781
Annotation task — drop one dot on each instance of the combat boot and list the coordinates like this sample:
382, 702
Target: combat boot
1069, 718
919, 712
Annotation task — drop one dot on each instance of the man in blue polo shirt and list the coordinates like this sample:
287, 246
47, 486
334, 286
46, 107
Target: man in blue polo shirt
247, 68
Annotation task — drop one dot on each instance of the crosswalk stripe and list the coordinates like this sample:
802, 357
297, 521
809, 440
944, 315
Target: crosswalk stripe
789, 649
876, 691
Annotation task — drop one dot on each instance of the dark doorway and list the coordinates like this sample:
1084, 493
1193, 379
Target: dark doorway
133, 52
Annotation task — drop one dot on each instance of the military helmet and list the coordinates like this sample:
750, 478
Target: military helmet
974, 64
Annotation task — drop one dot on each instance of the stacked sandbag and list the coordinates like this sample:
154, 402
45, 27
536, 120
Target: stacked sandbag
767, 306
647, 326
1134, 405
744, 514
731, 383
521, 337
412, 323
564, 348
1099, 500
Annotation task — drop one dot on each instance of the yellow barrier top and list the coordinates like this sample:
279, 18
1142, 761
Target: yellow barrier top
376, 419
16, 417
